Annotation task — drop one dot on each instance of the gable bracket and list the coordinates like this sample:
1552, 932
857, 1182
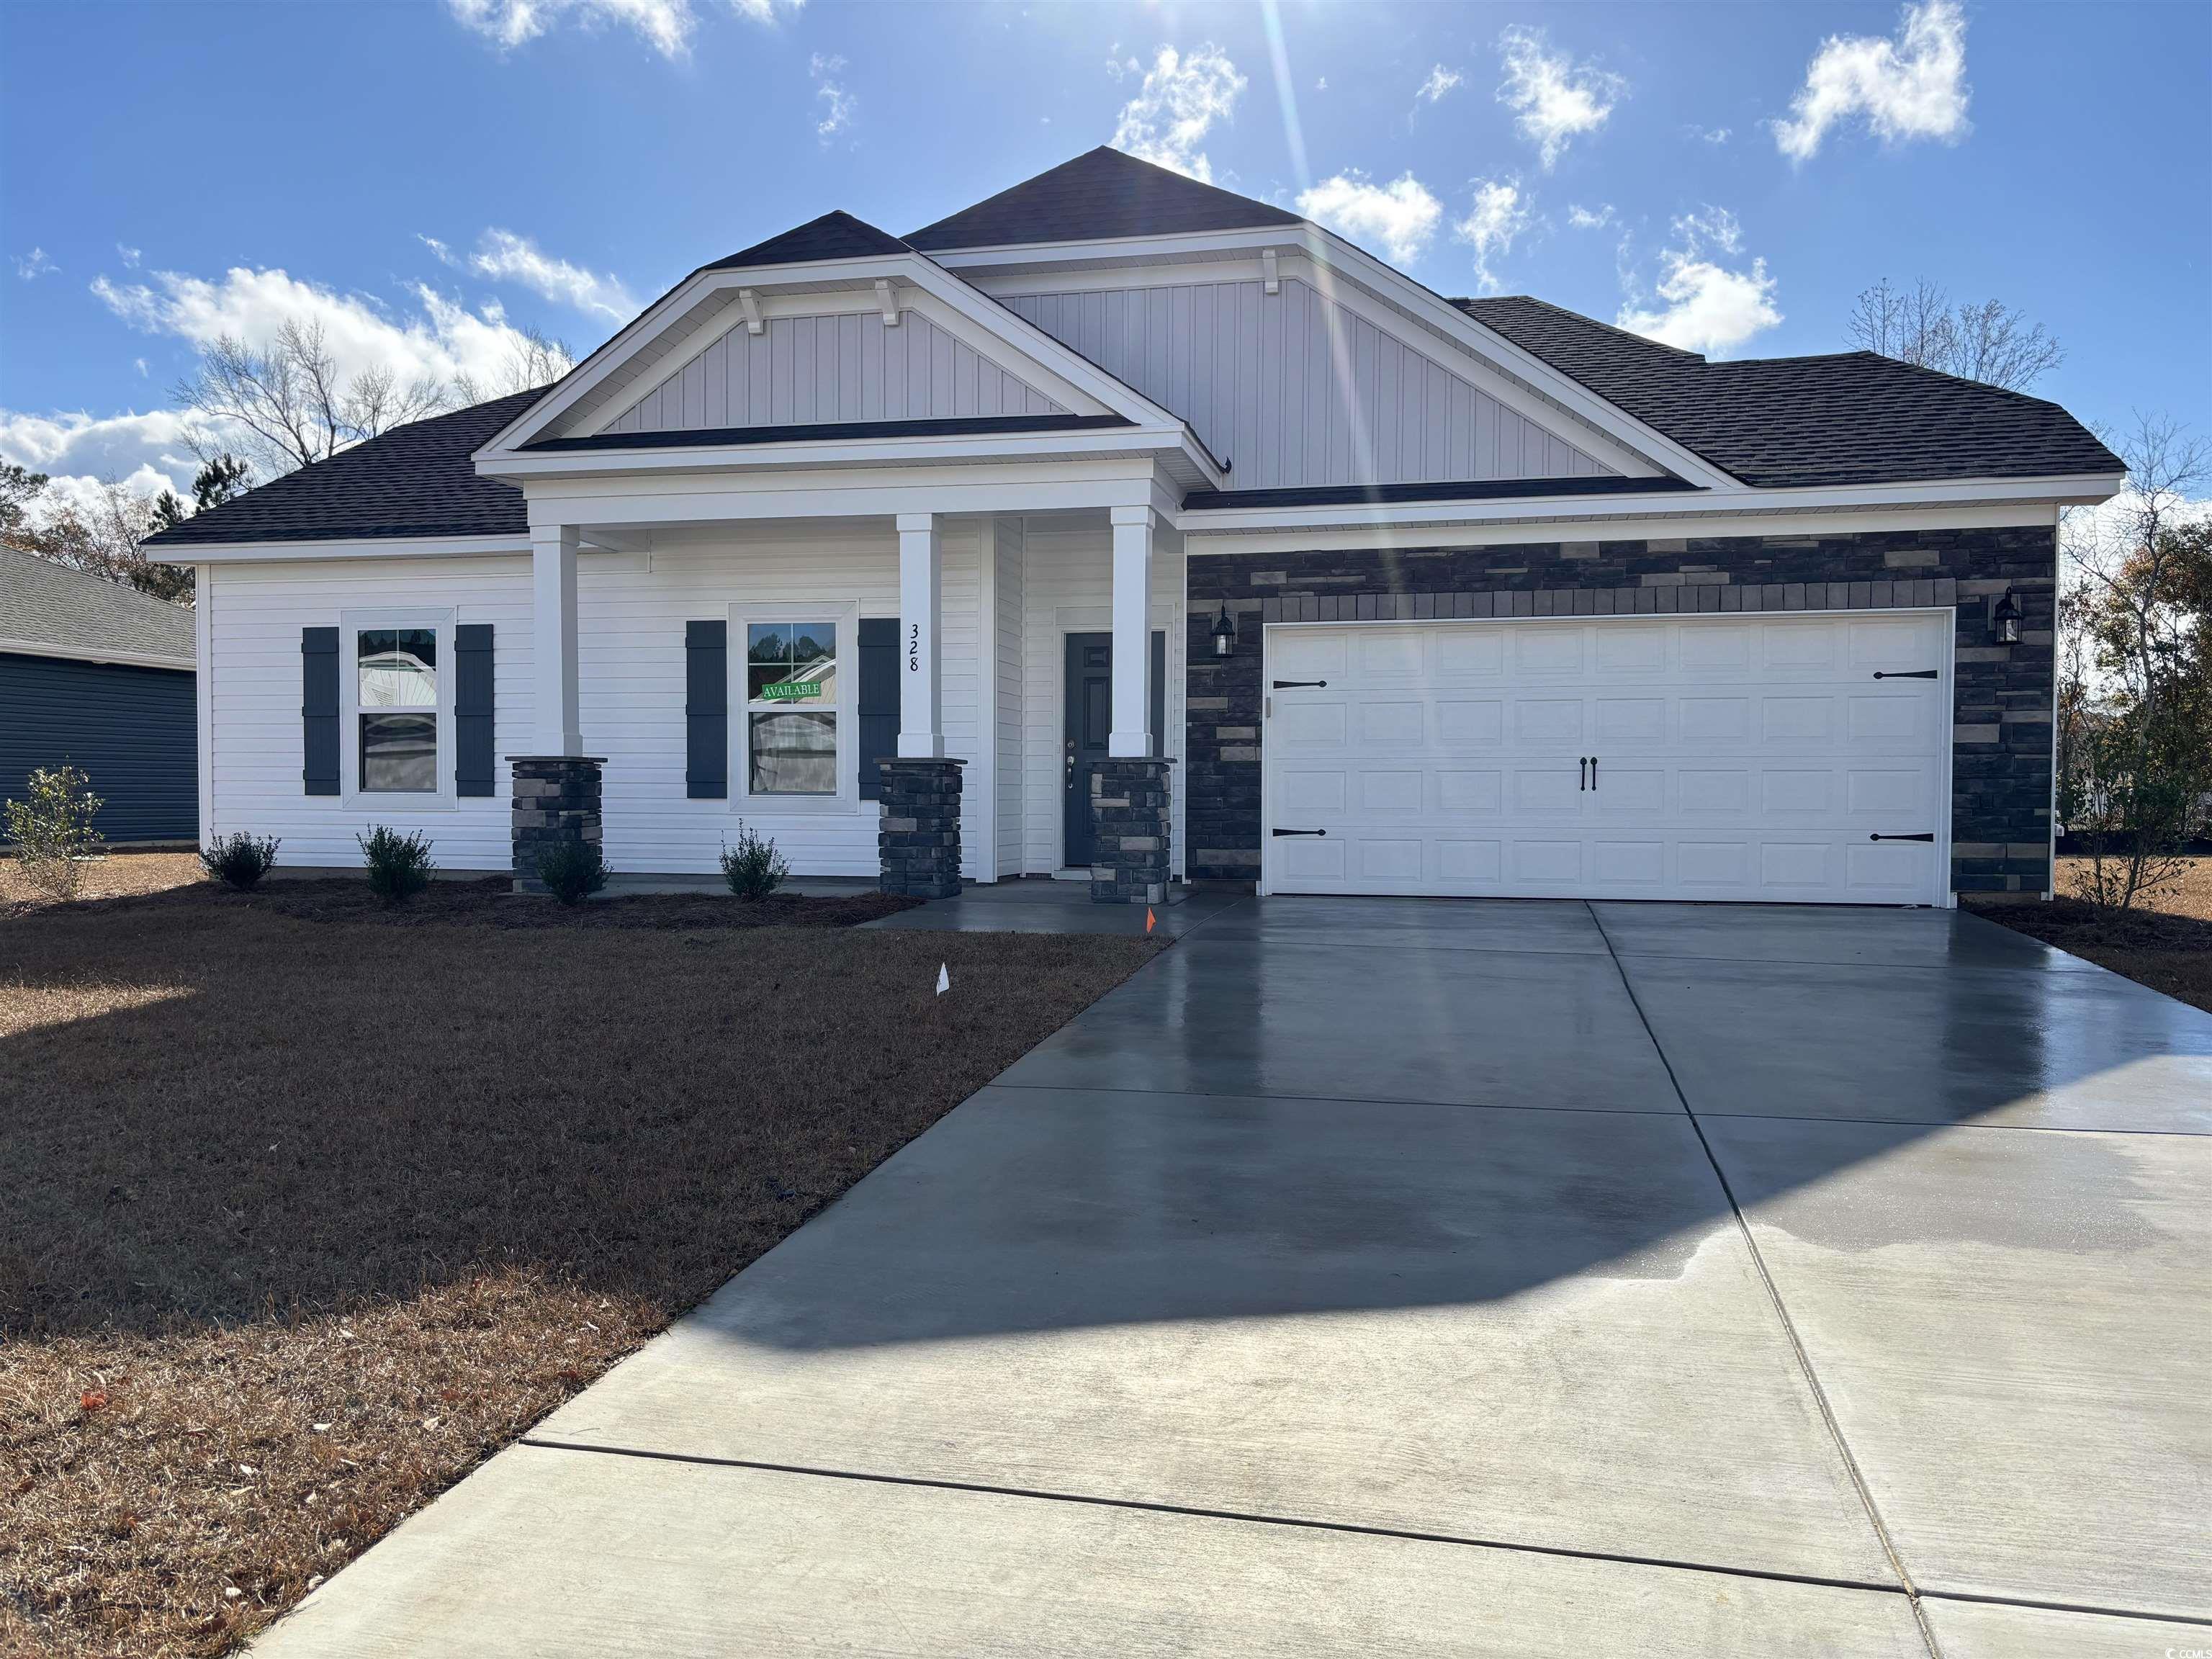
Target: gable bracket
887, 298
749, 302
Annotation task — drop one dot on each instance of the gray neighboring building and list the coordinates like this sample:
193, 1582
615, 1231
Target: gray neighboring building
100, 677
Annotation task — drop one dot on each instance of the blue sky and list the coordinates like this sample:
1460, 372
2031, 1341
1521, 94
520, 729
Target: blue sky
425, 177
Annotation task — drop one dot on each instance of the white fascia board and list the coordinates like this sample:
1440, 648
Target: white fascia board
90, 653
928, 451
361, 547
2040, 492
1566, 527
631, 504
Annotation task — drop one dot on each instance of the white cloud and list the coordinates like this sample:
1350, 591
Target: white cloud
1553, 98
1703, 306
1440, 82
441, 340
1712, 135
502, 256
79, 451
665, 25
1912, 87
838, 104
35, 264
129, 255
1181, 97
1321, 85
139, 363
1497, 217
1596, 218
1398, 218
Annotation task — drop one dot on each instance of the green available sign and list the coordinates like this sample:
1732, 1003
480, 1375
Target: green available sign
786, 690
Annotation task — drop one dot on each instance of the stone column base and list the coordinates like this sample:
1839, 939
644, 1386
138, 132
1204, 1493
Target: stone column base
1129, 828
557, 800
918, 837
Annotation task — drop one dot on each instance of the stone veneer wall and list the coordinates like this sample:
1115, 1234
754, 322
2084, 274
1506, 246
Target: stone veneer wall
918, 828
1130, 830
2000, 744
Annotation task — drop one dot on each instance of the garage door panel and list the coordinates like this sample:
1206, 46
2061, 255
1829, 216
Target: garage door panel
1737, 759
1309, 724
1471, 726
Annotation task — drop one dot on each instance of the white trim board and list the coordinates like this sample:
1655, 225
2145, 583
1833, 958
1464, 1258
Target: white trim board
87, 654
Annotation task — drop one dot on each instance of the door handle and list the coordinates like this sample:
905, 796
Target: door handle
1593, 775
1581, 773
1067, 776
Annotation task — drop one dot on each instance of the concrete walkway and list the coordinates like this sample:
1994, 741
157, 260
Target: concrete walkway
1433, 1278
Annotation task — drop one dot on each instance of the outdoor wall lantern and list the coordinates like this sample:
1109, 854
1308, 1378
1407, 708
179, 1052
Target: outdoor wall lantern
2004, 621
1224, 632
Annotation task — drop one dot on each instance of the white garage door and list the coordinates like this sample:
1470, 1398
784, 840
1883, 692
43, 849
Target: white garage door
1800, 758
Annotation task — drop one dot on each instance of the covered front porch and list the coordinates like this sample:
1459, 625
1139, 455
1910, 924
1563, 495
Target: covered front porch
988, 685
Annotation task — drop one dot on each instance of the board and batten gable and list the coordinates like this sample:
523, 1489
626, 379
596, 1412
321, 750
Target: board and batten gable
1293, 389
831, 368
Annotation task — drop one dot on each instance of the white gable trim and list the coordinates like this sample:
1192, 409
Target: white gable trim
1454, 357
1397, 293
1035, 351
914, 308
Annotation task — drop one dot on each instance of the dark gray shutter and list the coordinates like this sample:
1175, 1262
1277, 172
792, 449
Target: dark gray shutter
879, 700
706, 710
319, 709
472, 711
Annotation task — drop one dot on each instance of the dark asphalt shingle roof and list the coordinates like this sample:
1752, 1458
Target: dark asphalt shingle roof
1101, 193
945, 426
1850, 418
45, 604
415, 480
836, 235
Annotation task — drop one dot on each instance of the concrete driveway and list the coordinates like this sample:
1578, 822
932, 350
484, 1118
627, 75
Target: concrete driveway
1435, 1277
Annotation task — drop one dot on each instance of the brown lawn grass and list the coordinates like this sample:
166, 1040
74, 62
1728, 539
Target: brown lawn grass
2165, 943
305, 1214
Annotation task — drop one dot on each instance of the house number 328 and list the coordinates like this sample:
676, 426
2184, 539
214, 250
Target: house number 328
914, 648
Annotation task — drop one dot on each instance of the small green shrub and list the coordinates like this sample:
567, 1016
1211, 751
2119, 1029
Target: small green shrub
399, 866
238, 860
52, 830
573, 870
753, 867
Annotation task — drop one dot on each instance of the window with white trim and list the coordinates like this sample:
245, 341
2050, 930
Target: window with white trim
396, 671
794, 742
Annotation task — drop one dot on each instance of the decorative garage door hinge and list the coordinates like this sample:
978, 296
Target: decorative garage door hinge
1297, 832
1907, 674
1284, 685
1925, 834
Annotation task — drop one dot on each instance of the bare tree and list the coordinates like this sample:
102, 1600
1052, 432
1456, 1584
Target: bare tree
288, 404
1985, 340
532, 361
2135, 709
102, 537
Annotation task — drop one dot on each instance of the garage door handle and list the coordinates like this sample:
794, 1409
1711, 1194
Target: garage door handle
1297, 832
1907, 674
1285, 685
1925, 834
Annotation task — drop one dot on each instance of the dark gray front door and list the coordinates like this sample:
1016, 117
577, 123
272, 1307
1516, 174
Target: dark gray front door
1088, 703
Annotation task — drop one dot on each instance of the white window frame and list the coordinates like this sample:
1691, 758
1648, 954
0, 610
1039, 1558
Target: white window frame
845, 616
351, 625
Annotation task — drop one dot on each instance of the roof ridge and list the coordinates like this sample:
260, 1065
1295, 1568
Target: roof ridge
1101, 194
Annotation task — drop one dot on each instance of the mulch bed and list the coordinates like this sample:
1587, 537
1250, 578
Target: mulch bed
2167, 951
492, 902
309, 1209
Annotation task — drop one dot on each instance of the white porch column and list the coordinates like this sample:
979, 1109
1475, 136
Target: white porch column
553, 637
922, 695
1132, 735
